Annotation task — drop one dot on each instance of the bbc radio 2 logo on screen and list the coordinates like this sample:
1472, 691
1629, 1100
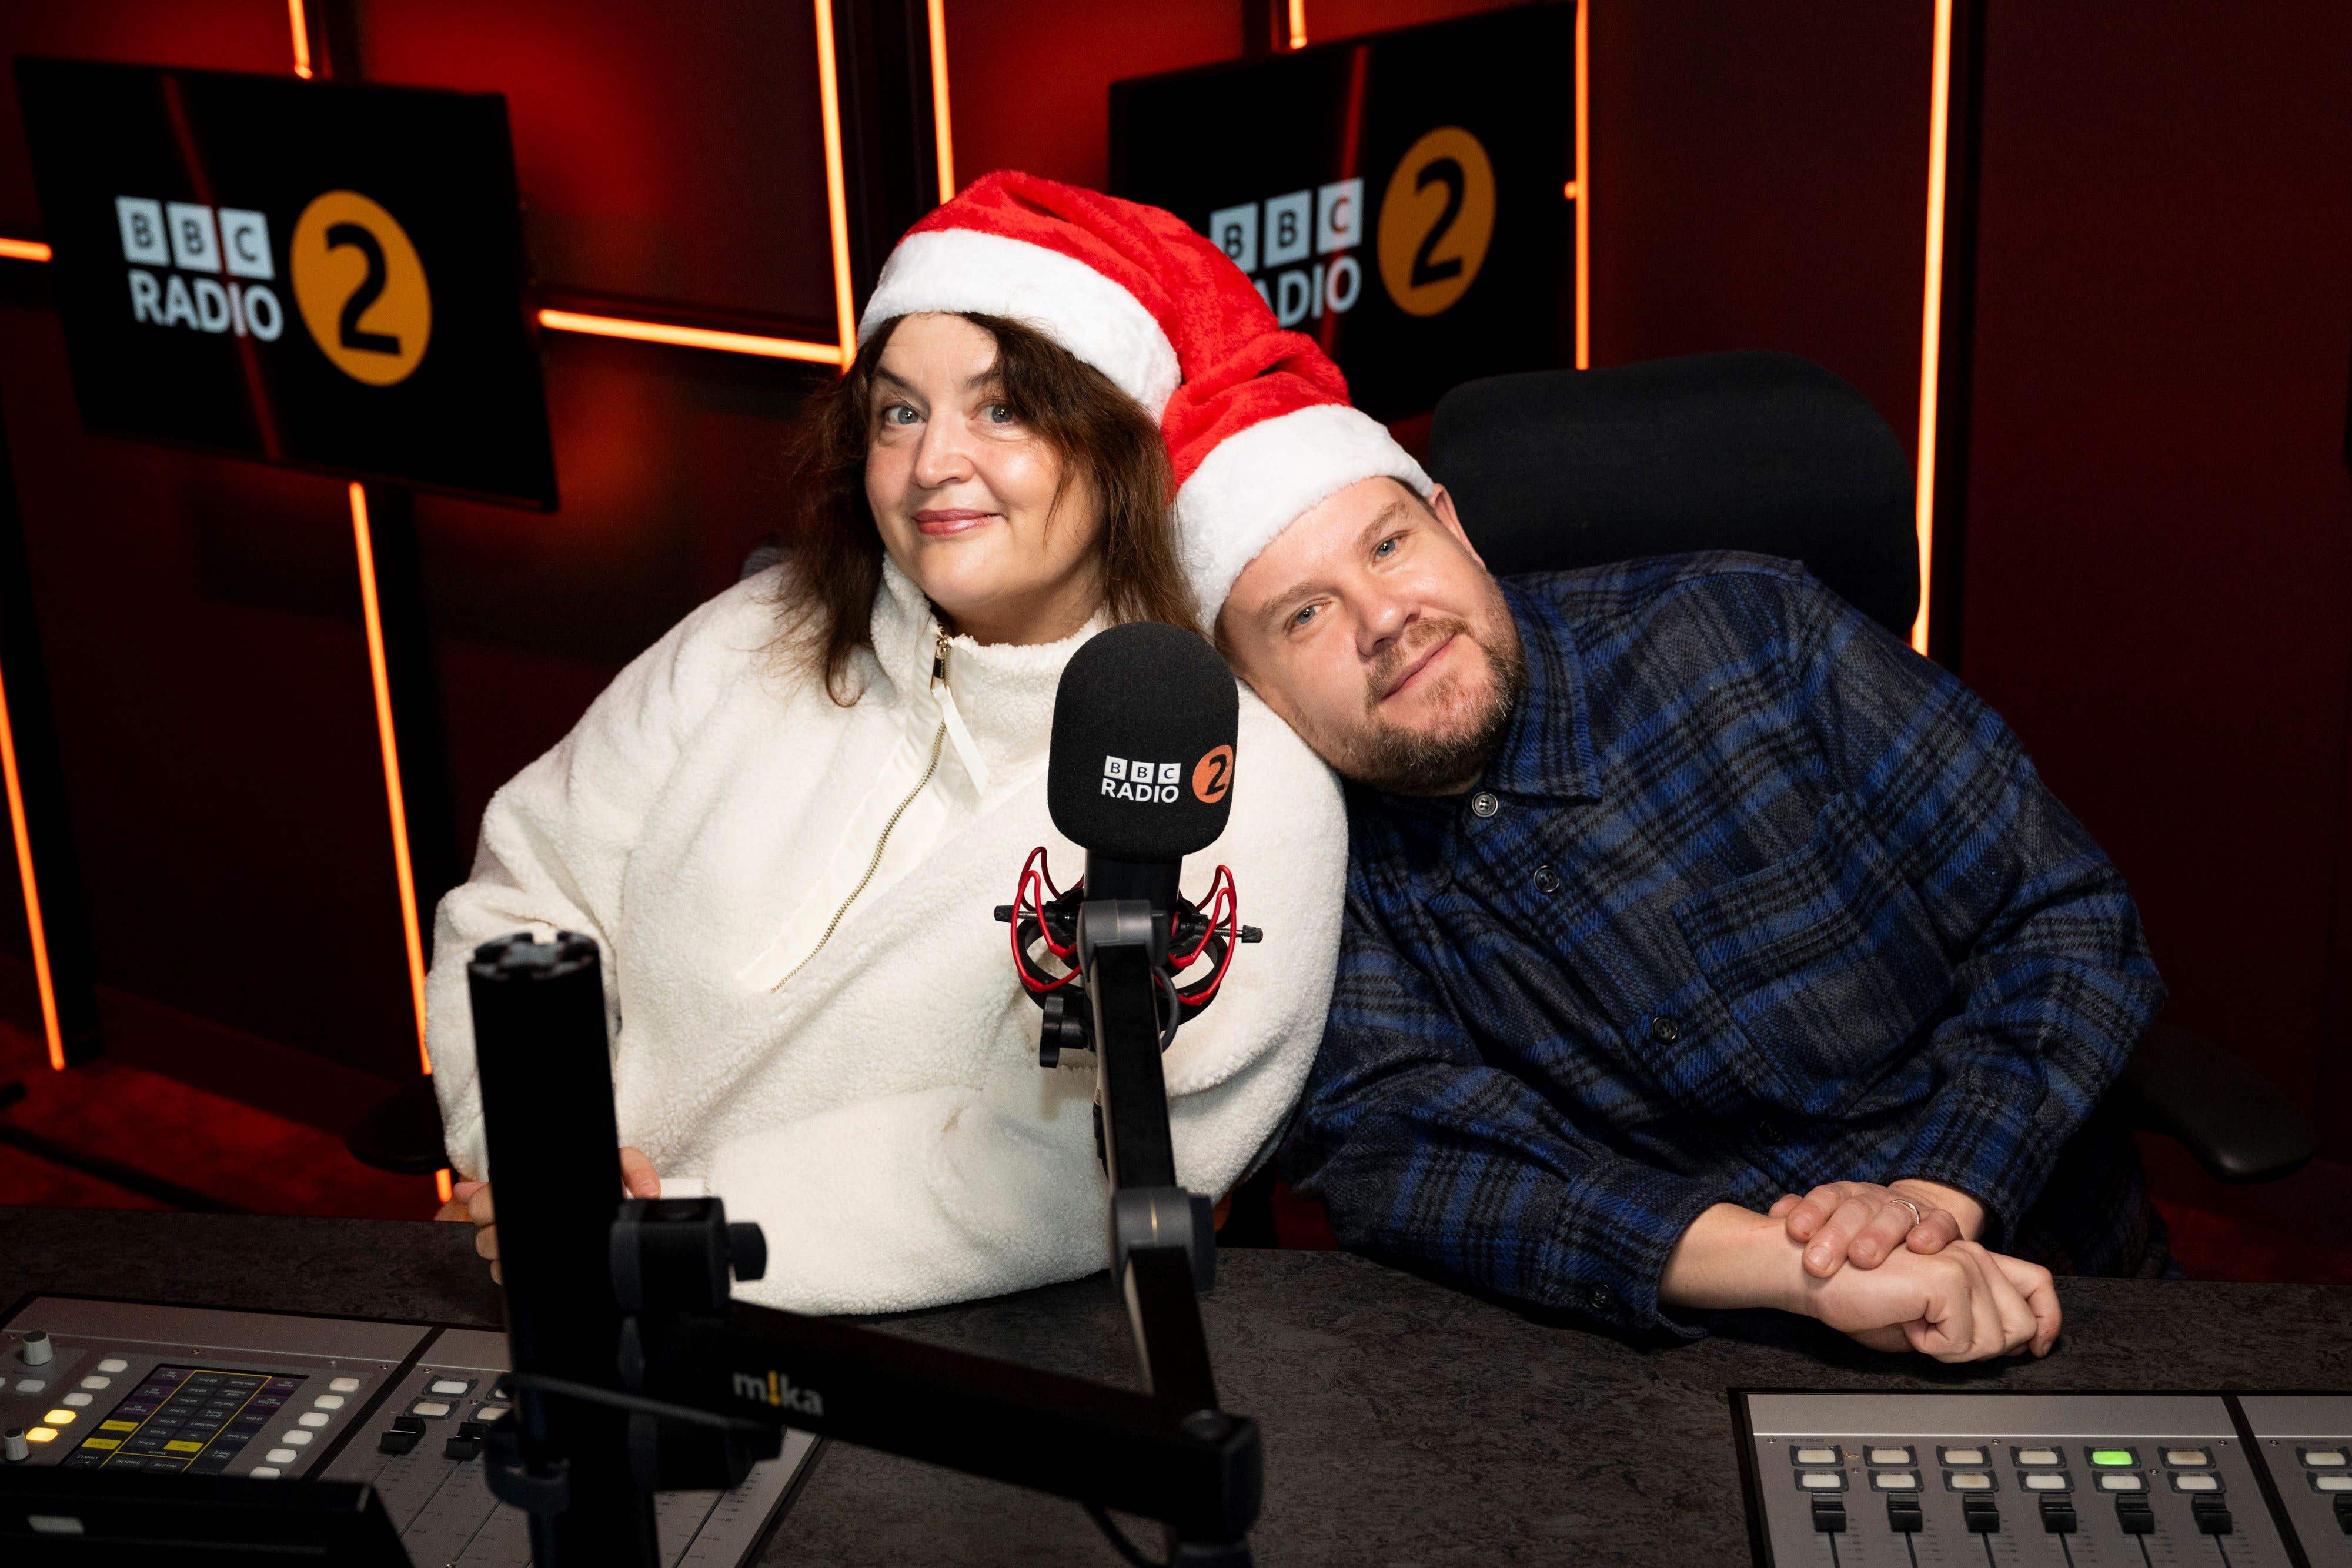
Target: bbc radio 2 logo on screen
358, 283
1437, 219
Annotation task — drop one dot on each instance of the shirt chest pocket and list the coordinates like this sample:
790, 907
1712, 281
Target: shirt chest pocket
1825, 962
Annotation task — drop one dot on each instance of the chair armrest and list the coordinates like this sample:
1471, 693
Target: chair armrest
403, 1132
2238, 1124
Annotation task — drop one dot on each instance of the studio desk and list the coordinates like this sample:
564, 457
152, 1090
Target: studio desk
1404, 1422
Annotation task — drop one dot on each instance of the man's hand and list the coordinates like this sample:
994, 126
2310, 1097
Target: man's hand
1962, 1304
471, 1200
1865, 1224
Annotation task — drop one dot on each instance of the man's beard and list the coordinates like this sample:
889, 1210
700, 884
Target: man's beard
1406, 761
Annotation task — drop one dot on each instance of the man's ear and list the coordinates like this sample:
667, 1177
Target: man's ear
1441, 502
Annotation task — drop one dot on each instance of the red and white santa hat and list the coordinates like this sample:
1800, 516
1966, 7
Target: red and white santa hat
1260, 432
1085, 269
1256, 419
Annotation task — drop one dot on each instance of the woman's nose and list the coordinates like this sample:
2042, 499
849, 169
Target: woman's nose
943, 455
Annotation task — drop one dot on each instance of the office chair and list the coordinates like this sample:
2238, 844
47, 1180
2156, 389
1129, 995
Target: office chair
1773, 454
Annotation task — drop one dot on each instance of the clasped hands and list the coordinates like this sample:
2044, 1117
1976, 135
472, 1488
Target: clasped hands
471, 1200
1872, 1251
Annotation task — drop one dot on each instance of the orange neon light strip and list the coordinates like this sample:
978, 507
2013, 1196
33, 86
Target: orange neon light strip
1581, 192
23, 250
941, 122
836, 203
1297, 24
49, 1024
302, 26
1931, 311
390, 746
689, 337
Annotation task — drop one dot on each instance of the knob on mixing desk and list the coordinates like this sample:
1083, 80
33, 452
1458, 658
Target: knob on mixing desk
18, 1449
36, 1350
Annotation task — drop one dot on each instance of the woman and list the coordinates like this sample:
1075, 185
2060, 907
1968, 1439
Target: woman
788, 822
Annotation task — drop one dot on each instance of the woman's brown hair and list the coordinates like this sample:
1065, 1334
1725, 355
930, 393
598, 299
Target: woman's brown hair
1101, 433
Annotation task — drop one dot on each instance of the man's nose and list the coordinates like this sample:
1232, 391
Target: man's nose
1383, 618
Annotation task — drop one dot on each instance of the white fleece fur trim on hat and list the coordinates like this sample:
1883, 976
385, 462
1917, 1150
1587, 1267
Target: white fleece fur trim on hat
1070, 302
1259, 480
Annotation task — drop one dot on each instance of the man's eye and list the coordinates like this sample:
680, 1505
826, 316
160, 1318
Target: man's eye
1302, 615
1386, 548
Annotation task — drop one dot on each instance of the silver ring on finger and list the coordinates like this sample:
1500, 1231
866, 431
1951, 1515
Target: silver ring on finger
1918, 1217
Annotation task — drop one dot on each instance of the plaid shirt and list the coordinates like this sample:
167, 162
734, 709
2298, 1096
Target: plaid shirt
1753, 898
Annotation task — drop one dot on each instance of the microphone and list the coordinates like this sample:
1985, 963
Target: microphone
1140, 774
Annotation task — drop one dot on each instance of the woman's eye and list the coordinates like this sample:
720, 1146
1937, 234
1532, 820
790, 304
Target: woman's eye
890, 415
1001, 413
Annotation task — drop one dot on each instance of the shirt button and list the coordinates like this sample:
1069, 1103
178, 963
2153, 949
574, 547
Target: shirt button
1665, 1029
1485, 804
1598, 1298
1546, 880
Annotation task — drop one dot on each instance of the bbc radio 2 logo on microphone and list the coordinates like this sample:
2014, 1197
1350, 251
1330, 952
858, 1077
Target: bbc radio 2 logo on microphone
1162, 783
358, 283
1436, 219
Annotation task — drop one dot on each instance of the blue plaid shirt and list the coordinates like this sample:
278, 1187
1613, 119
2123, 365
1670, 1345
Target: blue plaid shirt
1752, 898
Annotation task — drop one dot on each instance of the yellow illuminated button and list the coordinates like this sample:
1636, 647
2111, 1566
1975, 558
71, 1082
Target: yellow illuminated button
41, 1435
183, 1446
101, 1442
118, 1425
59, 1418
2114, 1457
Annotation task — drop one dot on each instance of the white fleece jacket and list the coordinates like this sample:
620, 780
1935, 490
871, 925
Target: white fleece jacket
872, 1097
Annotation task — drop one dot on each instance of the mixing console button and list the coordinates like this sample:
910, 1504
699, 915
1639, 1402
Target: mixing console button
77, 1400
2044, 1480
1821, 1480
2319, 1459
2331, 1483
264, 1473
299, 1435
1815, 1455
281, 1456
2187, 1458
2122, 1483
454, 1388
2116, 1458
344, 1384
1968, 1481
329, 1402
1896, 1480
114, 1364
1964, 1456
98, 1382
2039, 1456
314, 1417
62, 1418
2197, 1483
1890, 1456
432, 1407
42, 1435
31, 1385
488, 1412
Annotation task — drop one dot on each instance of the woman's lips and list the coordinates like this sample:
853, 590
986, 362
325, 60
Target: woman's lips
948, 521
1420, 666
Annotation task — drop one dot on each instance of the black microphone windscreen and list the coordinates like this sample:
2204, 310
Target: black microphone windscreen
1144, 726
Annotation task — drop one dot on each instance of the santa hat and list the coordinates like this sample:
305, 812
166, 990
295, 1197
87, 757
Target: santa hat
1260, 432
1087, 270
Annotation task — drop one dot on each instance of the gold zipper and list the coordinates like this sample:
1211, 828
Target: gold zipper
939, 678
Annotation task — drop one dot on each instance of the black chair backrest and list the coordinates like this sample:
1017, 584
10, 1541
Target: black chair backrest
1765, 453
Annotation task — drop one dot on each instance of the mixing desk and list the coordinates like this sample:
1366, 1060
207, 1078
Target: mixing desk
2073, 1480
125, 1386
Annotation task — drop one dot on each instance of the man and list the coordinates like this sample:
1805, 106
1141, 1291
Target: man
1678, 889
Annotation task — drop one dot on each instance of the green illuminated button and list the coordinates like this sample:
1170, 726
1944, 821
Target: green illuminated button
2114, 1457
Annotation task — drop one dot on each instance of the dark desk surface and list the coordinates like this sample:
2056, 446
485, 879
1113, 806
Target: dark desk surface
1404, 1423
